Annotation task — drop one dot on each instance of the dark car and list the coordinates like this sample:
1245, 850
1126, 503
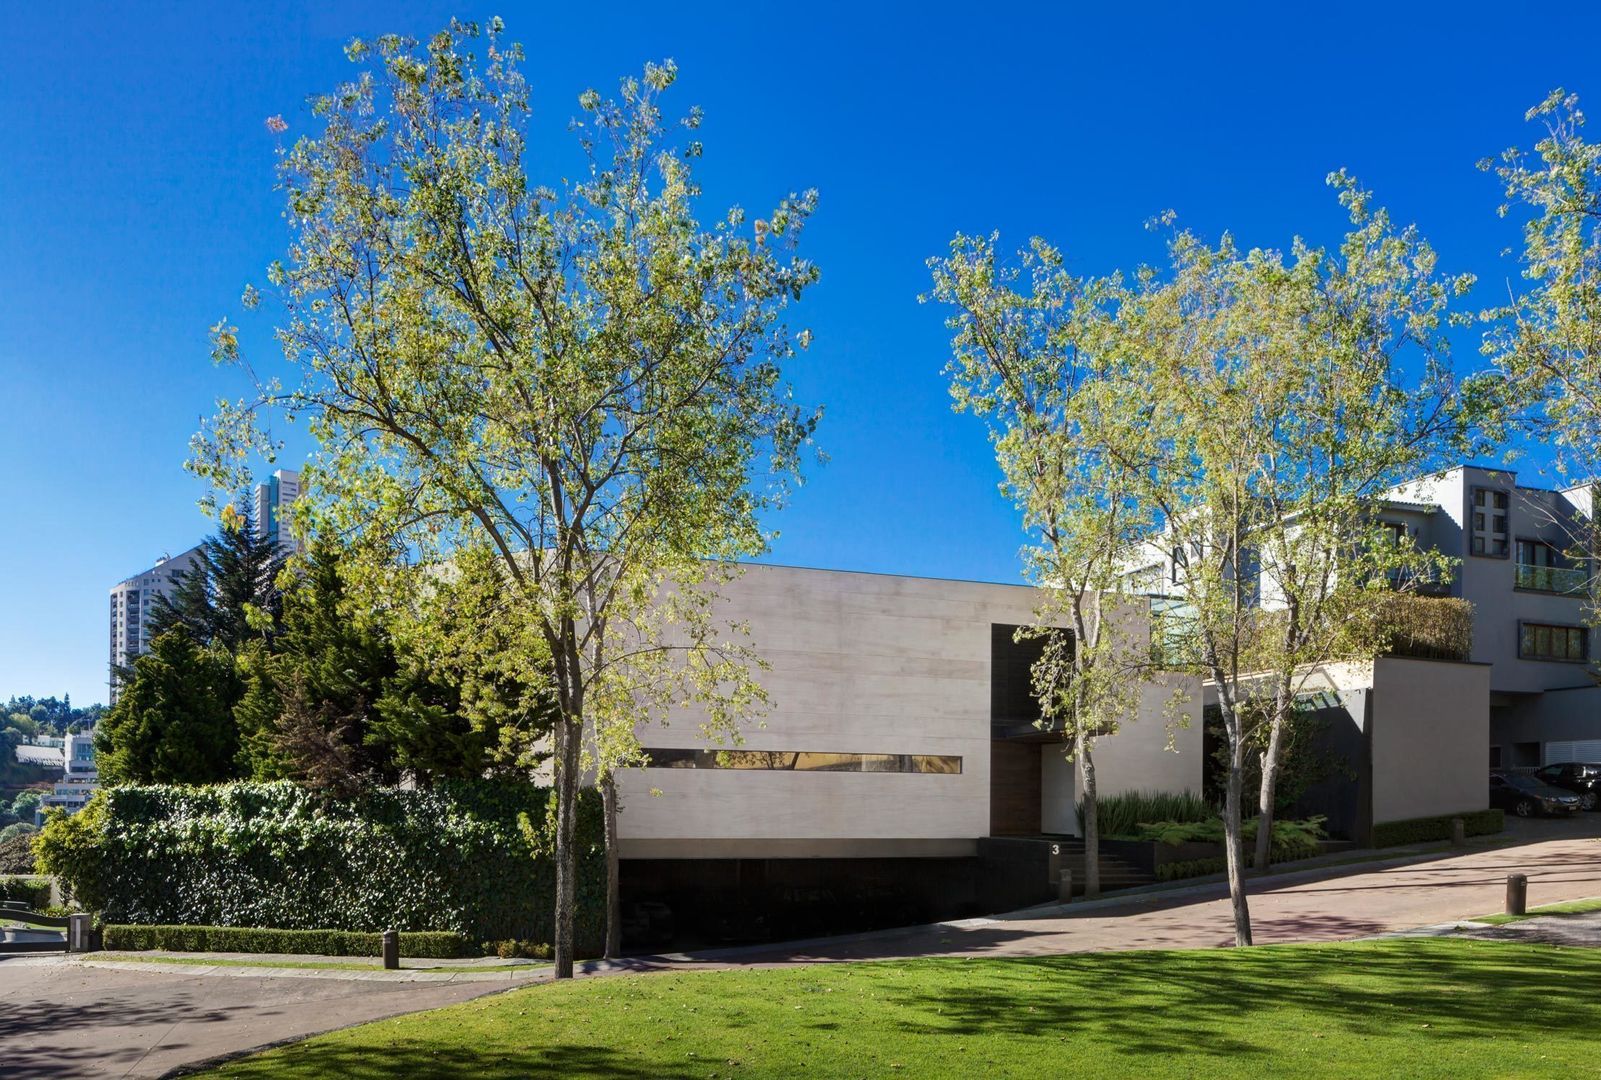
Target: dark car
1583, 778
1525, 796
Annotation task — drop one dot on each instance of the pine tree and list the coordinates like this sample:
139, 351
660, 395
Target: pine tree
173, 723
231, 595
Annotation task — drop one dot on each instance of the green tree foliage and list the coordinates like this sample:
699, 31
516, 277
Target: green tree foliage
230, 597
47, 716
577, 376
1286, 396
173, 722
1547, 338
1032, 355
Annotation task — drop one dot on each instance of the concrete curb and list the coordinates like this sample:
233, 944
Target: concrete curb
507, 975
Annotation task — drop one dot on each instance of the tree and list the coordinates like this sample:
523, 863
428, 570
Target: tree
1546, 339
1028, 356
1285, 397
230, 597
173, 723
579, 378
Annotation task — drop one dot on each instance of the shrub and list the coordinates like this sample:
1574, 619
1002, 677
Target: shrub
16, 855
1189, 868
511, 949
1291, 839
424, 945
32, 891
449, 857
1422, 830
1121, 815
1427, 627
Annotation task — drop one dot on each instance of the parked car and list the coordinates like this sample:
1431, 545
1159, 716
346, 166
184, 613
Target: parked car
1583, 778
1525, 796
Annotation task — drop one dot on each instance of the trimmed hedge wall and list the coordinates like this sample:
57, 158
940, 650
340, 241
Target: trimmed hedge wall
431, 946
450, 857
1422, 830
33, 891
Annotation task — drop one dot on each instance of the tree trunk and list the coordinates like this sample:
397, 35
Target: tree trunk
1233, 846
1092, 824
568, 737
1270, 782
614, 903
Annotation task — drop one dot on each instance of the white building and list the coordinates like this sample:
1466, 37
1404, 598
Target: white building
132, 603
273, 498
79, 776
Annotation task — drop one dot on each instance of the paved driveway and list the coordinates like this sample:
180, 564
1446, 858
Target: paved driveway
62, 1019
1309, 906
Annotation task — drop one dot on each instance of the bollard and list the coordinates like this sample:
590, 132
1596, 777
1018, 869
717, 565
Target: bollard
391, 950
1459, 832
1064, 888
1517, 894
78, 934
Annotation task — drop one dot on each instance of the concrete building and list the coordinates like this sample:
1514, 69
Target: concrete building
899, 743
132, 601
1517, 549
79, 779
273, 499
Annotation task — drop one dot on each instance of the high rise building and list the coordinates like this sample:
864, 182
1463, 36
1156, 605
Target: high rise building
272, 500
132, 602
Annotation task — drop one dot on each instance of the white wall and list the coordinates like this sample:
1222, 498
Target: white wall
860, 663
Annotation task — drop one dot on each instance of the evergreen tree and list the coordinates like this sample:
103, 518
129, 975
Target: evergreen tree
231, 595
173, 722
308, 708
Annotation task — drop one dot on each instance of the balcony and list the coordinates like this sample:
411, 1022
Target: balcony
1563, 580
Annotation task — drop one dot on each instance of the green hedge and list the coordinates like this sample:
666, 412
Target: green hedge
450, 857
1188, 868
1422, 830
33, 891
433, 946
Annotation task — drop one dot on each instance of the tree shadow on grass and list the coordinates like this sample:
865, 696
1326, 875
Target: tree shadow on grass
1212, 1004
483, 1062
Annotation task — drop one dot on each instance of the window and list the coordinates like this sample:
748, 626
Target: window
1543, 641
1395, 532
804, 761
1489, 523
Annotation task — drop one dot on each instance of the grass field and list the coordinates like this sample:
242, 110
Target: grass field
1415, 1008
1572, 907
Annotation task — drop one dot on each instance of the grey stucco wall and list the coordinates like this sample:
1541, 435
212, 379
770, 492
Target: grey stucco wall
1430, 738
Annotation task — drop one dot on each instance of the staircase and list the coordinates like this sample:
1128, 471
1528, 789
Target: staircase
1115, 873
1021, 871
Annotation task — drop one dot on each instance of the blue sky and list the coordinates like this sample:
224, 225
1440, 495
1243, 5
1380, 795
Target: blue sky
136, 200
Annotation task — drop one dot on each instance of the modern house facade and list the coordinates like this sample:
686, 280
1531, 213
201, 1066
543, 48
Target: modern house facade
1516, 564
80, 776
898, 775
132, 603
900, 727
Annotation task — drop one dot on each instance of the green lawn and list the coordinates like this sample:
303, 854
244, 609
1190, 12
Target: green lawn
1572, 907
1415, 1008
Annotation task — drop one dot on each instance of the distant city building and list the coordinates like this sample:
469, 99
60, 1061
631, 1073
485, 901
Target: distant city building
132, 602
272, 500
80, 777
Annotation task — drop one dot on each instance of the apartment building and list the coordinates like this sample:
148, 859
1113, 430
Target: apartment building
1518, 565
132, 603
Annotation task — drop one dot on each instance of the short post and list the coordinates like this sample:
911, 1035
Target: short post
1517, 894
1064, 888
391, 950
1459, 832
78, 933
